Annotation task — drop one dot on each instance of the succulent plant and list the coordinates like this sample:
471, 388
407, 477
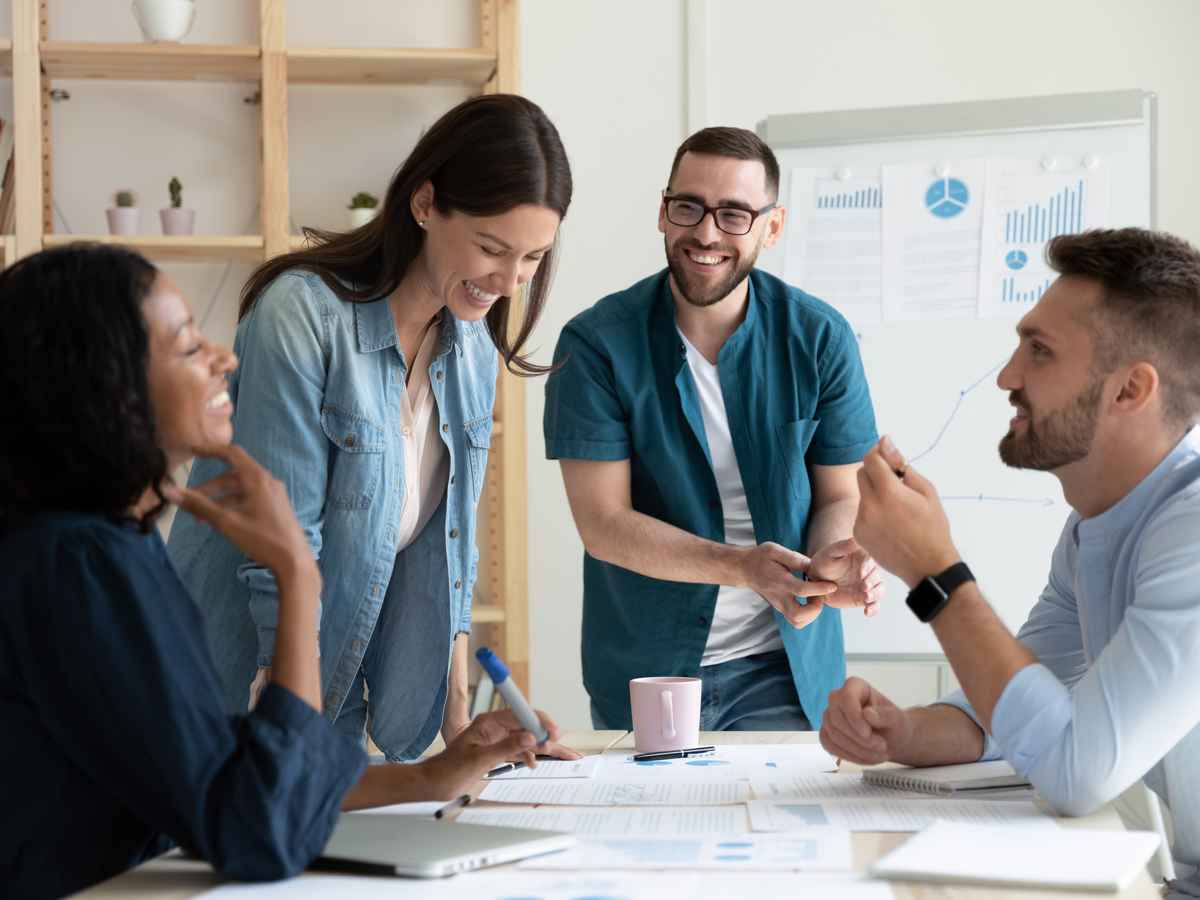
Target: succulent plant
176, 190
124, 199
363, 200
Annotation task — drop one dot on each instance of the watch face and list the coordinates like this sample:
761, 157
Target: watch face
927, 599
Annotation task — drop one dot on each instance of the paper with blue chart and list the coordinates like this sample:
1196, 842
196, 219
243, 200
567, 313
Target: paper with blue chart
618, 792
932, 237
891, 815
730, 761
834, 247
555, 768
1029, 202
650, 821
818, 848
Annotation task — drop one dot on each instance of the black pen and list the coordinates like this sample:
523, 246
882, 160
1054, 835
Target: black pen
673, 754
452, 806
504, 769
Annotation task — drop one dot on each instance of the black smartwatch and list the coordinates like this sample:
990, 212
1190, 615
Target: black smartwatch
931, 594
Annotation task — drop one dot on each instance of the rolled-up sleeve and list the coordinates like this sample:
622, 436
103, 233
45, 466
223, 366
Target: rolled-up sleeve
846, 418
584, 417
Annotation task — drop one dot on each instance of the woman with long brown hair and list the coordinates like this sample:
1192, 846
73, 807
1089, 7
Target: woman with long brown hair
366, 385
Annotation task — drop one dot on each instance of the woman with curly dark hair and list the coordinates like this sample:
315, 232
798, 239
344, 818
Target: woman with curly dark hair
116, 740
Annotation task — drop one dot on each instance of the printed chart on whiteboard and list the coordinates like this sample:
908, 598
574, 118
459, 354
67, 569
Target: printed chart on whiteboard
1035, 201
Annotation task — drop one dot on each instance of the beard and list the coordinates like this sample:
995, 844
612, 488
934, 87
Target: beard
694, 289
1060, 438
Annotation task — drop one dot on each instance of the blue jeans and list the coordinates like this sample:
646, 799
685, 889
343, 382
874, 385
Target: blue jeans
754, 693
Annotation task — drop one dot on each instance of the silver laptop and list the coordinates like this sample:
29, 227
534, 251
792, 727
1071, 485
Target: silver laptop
401, 845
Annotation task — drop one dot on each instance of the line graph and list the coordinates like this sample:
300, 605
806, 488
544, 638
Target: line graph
1044, 501
954, 411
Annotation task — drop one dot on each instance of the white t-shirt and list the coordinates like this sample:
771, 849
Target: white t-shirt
743, 622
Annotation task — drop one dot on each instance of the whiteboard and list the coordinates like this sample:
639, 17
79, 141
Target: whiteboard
933, 382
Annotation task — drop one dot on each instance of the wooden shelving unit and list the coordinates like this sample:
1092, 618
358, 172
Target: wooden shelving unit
501, 596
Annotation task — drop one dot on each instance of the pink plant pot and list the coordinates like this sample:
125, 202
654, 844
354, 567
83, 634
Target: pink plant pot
177, 221
124, 220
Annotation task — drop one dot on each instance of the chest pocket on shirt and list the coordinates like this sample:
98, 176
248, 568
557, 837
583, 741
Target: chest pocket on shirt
793, 439
479, 441
356, 463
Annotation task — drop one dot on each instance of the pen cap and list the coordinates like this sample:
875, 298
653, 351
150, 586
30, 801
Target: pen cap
492, 664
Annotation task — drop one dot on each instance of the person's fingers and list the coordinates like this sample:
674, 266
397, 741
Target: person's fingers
880, 473
847, 739
801, 614
790, 559
558, 751
223, 483
871, 609
799, 588
884, 716
552, 732
847, 721
200, 507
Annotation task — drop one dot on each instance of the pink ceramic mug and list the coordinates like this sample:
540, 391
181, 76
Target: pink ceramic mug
666, 713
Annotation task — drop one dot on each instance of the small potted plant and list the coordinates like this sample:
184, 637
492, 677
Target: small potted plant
124, 218
176, 220
362, 209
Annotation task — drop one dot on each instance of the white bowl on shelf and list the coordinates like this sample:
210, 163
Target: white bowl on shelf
164, 21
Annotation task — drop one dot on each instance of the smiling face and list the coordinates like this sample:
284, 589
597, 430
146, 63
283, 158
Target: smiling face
470, 262
1052, 381
706, 264
186, 372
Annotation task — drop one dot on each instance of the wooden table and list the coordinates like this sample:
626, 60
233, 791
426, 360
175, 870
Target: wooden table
172, 878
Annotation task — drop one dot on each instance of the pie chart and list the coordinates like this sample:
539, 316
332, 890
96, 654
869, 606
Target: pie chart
1016, 259
946, 198
707, 762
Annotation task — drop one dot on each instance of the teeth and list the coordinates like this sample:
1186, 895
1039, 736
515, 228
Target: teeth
478, 294
706, 260
220, 400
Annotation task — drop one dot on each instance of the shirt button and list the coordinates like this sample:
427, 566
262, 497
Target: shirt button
406, 431
452, 479
439, 374
714, 503
446, 428
457, 584
453, 532
703, 622
682, 349
349, 440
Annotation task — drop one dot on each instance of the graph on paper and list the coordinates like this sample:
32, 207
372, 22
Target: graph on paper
1034, 204
834, 194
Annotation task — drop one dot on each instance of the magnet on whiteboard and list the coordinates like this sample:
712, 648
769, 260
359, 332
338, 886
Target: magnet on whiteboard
1048, 163
842, 173
1090, 161
941, 170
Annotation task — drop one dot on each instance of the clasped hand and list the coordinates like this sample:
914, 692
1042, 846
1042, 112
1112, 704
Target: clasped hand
841, 575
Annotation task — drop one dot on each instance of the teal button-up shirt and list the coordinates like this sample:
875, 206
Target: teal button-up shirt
795, 396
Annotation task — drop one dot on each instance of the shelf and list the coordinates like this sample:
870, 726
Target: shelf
486, 613
151, 62
163, 248
385, 65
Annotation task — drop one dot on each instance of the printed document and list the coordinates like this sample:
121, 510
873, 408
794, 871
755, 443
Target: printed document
614, 792
555, 768
826, 848
730, 761
892, 815
932, 236
834, 240
655, 821
781, 783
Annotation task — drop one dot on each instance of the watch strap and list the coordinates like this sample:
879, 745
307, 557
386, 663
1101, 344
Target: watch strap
931, 594
955, 576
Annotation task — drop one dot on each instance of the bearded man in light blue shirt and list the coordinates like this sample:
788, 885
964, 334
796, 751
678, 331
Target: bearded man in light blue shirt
1101, 686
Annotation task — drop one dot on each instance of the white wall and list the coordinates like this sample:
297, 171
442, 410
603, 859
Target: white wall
612, 78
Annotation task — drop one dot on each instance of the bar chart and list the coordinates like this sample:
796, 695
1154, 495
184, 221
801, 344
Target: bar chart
834, 195
1030, 294
1045, 218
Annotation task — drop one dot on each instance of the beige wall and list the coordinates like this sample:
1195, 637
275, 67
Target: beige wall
612, 77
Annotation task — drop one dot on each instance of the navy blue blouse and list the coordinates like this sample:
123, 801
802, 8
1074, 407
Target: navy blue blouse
116, 743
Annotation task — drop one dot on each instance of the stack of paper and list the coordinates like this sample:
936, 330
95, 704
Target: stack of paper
1063, 858
554, 768
614, 792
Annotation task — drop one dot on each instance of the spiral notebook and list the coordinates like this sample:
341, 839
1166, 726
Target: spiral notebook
949, 780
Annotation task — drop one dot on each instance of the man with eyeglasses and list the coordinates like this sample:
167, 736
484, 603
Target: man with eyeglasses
709, 422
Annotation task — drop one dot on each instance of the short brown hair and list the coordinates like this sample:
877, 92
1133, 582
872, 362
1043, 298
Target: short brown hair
736, 143
1149, 306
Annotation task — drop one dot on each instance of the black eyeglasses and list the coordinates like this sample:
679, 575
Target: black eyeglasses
729, 219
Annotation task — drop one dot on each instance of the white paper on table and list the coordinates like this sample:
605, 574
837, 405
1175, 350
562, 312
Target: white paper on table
970, 854
932, 239
424, 810
817, 848
656, 821
479, 885
555, 768
784, 783
727, 761
1029, 205
614, 792
891, 815
834, 240
806, 885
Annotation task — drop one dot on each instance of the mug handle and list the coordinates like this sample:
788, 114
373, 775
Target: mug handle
668, 715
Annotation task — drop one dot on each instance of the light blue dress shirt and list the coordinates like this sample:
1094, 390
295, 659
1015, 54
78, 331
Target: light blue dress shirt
1116, 696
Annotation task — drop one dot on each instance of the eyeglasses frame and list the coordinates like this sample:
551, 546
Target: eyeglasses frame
713, 210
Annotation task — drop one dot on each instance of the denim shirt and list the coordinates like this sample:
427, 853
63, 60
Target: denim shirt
316, 400
1115, 695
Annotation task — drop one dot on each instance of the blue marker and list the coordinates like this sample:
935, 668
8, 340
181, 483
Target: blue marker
498, 672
